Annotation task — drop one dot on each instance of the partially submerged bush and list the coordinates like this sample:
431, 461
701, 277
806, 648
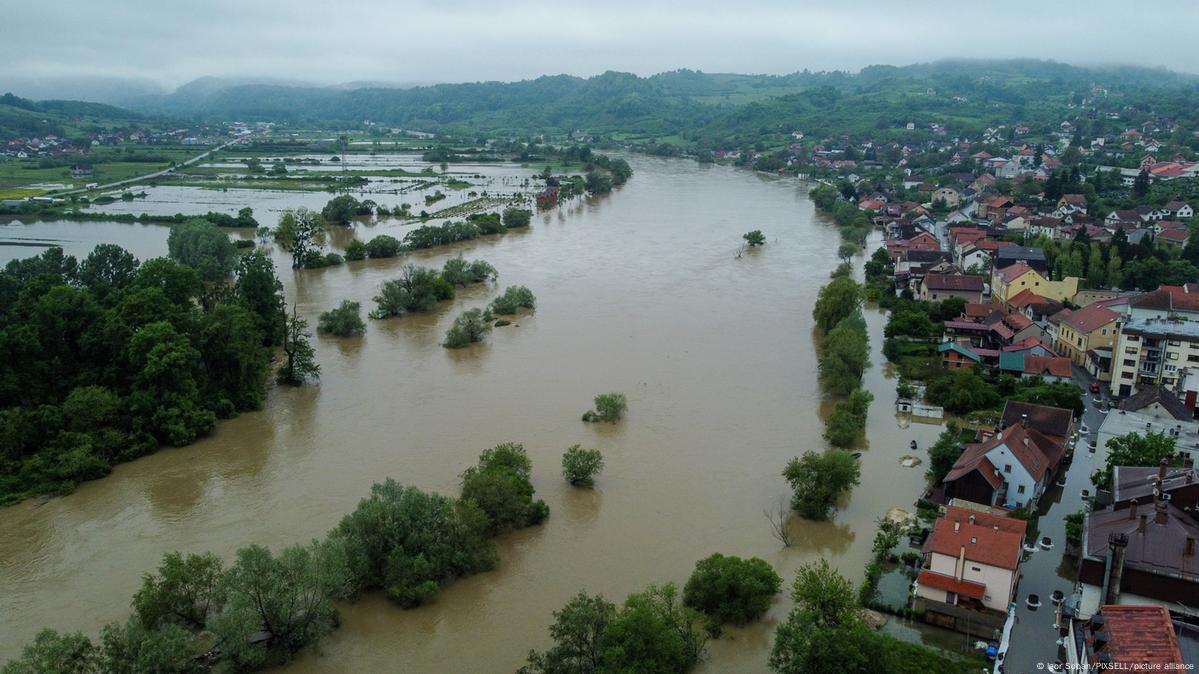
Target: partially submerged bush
470, 327
513, 299
608, 407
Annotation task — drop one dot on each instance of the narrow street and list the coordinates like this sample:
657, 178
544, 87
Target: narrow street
1034, 638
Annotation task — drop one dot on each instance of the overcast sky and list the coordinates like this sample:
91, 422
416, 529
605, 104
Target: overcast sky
406, 41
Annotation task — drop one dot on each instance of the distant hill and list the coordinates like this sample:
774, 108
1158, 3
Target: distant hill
684, 105
21, 117
624, 102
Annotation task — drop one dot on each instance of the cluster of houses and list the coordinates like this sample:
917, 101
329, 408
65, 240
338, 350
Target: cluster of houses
51, 145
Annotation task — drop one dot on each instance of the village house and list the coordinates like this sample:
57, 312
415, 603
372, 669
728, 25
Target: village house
971, 569
1092, 327
1008, 281
1011, 468
937, 287
947, 195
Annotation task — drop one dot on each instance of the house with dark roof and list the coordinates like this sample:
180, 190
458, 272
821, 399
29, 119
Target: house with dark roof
971, 568
1142, 554
1158, 402
1033, 257
1055, 423
937, 287
1177, 484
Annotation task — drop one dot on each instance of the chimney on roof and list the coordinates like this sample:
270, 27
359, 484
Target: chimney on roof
1132, 509
1141, 524
1117, 545
1024, 420
1159, 513
1162, 467
1189, 550
972, 519
957, 525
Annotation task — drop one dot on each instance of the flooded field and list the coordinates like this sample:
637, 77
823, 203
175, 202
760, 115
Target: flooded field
639, 291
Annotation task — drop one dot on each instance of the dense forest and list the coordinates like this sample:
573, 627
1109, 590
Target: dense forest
105, 359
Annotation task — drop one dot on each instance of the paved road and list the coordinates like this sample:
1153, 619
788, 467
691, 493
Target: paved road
150, 176
1034, 636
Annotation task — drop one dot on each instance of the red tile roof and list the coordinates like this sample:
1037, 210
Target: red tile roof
977, 310
1054, 366
1015, 271
1140, 637
1170, 298
1090, 318
1024, 298
959, 282
964, 588
989, 539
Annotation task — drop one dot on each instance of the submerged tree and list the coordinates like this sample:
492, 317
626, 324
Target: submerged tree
300, 232
301, 362
754, 238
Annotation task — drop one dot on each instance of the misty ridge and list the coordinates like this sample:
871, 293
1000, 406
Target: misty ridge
669, 102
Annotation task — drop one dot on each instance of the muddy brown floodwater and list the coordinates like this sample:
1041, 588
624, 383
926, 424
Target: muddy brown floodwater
639, 291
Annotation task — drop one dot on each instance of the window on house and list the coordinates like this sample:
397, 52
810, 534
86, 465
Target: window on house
1172, 355
1130, 350
975, 568
1020, 489
1126, 375
1173, 342
1007, 467
1128, 362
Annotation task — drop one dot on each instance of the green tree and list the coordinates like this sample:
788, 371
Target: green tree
355, 250
340, 210
819, 479
407, 542
288, 598
1140, 185
205, 248
517, 217
417, 289
512, 300
185, 591
51, 652
848, 420
236, 364
580, 466
344, 321
653, 632
500, 486
165, 396
754, 238
131, 648
258, 289
457, 271
383, 246
470, 327
1133, 449
944, 453
300, 232
730, 589
824, 631
301, 358
844, 355
842, 297
609, 407
107, 268
578, 631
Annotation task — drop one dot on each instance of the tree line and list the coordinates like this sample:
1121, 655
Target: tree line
195, 614
105, 360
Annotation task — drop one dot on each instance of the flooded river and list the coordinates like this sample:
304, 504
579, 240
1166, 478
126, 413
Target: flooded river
639, 291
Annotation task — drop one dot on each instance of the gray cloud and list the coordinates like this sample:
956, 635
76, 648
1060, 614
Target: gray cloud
415, 41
